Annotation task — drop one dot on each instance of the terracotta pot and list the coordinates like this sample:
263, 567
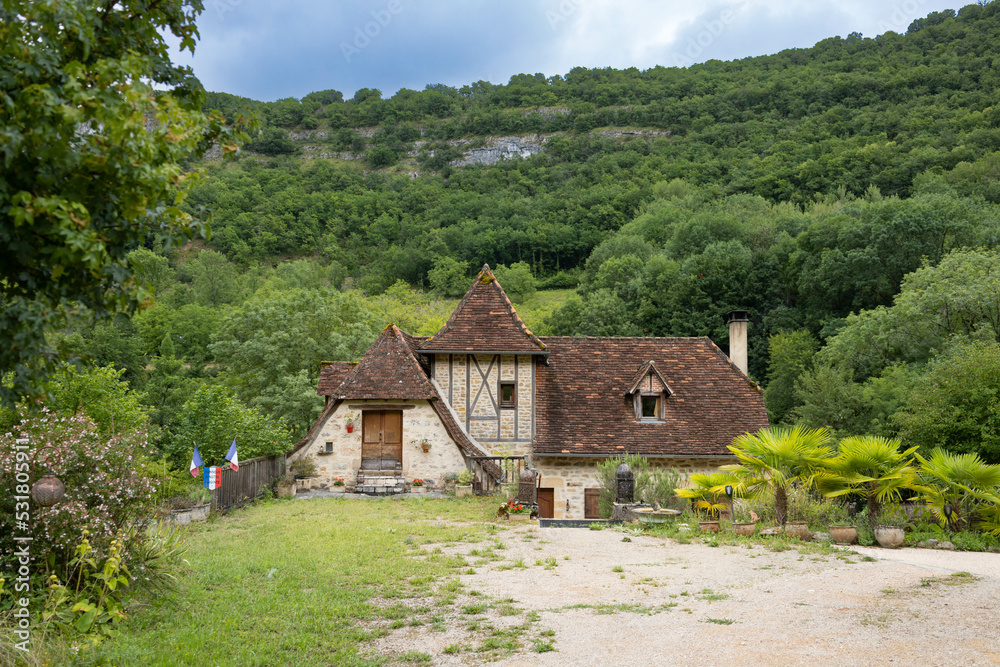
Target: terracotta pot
843, 534
709, 526
799, 529
745, 529
350, 428
890, 537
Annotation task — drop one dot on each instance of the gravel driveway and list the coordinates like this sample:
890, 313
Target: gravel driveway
653, 601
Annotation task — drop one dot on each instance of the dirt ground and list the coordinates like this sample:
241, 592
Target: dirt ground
609, 597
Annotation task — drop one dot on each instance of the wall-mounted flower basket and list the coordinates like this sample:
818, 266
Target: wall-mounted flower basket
350, 428
426, 446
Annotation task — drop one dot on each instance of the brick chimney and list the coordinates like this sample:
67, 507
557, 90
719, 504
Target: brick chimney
737, 320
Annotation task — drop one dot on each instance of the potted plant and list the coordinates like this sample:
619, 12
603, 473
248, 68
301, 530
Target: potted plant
417, 486
338, 485
286, 486
890, 537
352, 418
464, 484
517, 511
424, 445
704, 496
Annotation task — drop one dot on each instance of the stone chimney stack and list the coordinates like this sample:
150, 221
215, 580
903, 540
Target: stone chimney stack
737, 320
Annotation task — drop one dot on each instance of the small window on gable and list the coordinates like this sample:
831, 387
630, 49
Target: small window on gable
650, 407
329, 446
508, 395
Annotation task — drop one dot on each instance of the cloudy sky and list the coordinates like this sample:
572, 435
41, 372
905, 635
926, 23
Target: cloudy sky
268, 50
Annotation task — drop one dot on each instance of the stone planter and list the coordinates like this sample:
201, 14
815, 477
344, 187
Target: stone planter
286, 490
799, 529
744, 529
844, 534
418, 489
338, 489
890, 537
191, 515
523, 517
708, 526
461, 491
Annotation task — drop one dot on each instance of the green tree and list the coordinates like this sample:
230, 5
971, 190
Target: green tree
212, 417
773, 459
84, 179
517, 280
214, 277
449, 277
790, 355
151, 270
966, 482
100, 394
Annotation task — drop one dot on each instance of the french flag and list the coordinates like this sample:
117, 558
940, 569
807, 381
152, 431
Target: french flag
213, 477
196, 462
231, 456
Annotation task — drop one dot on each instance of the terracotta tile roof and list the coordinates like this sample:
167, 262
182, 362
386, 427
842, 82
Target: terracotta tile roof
389, 369
485, 321
331, 374
582, 407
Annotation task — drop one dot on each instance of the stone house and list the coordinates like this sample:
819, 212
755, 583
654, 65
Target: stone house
485, 385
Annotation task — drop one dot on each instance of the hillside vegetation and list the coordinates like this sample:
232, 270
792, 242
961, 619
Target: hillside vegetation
815, 188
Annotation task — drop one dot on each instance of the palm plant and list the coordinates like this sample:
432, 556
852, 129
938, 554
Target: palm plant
707, 491
964, 481
870, 466
775, 458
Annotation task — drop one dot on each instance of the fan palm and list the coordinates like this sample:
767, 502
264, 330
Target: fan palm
964, 481
774, 459
870, 466
708, 491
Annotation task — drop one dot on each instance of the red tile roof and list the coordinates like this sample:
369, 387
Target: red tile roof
388, 370
641, 374
331, 374
485, 321
582, 407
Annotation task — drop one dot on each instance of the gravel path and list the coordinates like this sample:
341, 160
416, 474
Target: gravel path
693, 604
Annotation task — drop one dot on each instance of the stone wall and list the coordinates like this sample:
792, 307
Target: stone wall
568, 477
419, 422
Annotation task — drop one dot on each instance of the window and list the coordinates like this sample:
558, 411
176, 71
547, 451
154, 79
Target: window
650, 407
329, 446
508, 395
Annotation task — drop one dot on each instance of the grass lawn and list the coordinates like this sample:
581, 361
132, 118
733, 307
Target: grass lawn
303, 583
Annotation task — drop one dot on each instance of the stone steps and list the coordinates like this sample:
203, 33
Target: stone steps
380, 483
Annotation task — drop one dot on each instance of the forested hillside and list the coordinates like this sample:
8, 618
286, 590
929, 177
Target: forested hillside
823, 189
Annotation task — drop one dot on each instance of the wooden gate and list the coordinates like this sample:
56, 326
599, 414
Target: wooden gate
381, 440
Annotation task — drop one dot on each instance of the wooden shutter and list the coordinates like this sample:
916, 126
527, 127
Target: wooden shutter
546, 503
590, 498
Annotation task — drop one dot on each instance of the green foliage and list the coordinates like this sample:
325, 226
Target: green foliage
272, 141
873, 468
274, 343
652, 485
774, 459
790, 355
449, 277
84, 181
517, 281
100, 394
212, 417
969, 485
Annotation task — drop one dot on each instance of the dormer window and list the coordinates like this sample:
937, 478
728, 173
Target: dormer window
649, 392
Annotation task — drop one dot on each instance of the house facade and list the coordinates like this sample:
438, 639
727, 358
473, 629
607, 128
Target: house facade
485, 385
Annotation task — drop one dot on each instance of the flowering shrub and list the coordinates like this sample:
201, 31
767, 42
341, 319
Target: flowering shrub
107, 485
418, 482
514, 507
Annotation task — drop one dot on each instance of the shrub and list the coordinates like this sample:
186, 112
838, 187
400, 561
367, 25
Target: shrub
303, 467
108, 485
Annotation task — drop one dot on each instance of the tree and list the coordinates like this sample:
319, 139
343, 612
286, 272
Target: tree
212, 417
96, 125
775, 458
517, 280
449, 277
872, 467
791, 354
965, 481
100, 394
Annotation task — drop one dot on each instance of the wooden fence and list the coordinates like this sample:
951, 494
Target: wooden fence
490, 473
250, 482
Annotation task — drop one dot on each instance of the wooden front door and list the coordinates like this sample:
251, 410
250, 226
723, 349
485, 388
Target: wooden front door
382, 439
546, 503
